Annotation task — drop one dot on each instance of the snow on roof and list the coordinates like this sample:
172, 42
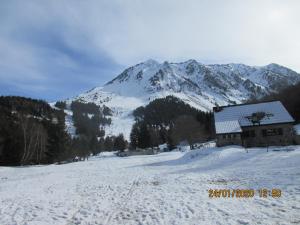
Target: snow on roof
230, 126
230, 119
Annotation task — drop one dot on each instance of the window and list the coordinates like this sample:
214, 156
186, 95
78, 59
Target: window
272, 132
228, 136
248, 133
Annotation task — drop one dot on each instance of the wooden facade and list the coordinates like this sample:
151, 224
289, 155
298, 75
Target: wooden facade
259, 136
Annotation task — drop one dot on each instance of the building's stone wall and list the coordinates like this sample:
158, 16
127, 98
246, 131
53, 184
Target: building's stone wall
228, 139
257, 139
286, 138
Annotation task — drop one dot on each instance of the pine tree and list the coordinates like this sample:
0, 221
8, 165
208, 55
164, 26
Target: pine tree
93, 146
108, 143
155, 121
144, 138
134, 136
120, 143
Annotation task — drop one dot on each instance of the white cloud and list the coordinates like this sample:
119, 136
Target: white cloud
214, 31
254, 32
208, 30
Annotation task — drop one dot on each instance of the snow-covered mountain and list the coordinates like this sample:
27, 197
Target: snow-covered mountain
201, 86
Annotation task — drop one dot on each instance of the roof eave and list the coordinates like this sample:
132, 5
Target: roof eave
259, 125
239, 132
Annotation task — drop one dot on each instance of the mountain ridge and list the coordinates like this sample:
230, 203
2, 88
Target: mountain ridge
200, 85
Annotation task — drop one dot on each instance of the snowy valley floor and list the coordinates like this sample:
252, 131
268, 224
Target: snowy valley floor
168, 188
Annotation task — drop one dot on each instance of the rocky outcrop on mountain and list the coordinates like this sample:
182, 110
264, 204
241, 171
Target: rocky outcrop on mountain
202, 86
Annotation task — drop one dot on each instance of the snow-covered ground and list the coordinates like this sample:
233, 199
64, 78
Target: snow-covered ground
168, 188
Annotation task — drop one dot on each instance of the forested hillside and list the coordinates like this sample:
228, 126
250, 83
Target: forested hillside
31, 132
89, 120
169, 120
290, 98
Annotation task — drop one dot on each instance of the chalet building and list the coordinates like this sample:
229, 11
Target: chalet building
251, 125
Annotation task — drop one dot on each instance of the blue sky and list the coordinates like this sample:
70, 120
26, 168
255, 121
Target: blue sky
57, 49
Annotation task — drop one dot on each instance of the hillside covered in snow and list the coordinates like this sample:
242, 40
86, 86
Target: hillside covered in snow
169, 188
201, 86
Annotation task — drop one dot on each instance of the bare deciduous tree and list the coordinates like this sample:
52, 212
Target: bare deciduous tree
34, 140
187, 128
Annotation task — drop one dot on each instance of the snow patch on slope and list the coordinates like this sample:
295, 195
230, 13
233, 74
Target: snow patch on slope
201, 86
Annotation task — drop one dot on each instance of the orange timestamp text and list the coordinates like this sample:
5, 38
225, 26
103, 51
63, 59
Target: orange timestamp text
244, 193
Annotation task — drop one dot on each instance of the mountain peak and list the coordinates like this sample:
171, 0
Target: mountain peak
191, 61
150, 62
199, 85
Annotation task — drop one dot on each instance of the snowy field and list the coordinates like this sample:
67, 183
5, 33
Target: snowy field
169, 188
